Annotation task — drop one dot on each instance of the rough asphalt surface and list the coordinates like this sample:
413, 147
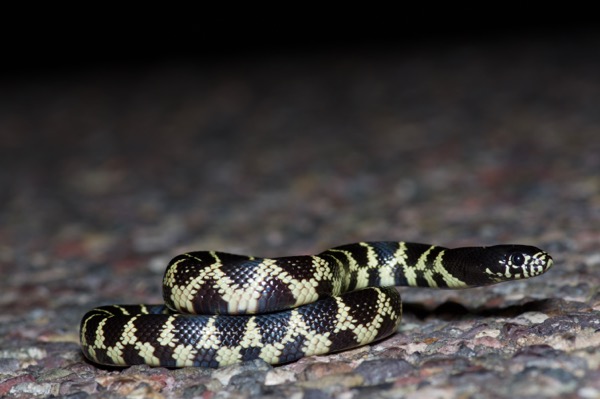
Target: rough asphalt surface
106, 175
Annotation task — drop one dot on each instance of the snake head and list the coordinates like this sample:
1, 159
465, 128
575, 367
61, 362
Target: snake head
514, 262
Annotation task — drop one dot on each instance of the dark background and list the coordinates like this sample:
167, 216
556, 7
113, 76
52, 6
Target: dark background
60, 43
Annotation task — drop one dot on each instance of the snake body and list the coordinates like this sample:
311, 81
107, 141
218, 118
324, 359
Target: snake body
222, 308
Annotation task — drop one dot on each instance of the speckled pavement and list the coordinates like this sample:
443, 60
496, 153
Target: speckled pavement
106, 175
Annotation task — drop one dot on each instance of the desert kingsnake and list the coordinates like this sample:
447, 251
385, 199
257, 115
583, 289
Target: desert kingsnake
222, 308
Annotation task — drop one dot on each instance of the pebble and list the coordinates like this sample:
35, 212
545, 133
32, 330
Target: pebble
383, 370
319, 370
36, 389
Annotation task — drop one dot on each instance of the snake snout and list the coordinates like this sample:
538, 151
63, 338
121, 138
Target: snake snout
549, 261
541, 263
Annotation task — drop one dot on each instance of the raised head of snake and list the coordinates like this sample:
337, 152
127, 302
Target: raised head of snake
498, 263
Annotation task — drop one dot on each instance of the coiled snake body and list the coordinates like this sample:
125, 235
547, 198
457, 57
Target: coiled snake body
222, 308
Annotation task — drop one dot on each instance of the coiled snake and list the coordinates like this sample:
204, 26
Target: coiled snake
222, 308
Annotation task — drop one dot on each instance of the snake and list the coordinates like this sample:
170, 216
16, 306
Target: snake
221, 308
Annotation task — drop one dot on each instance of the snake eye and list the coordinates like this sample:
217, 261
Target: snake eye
517, 259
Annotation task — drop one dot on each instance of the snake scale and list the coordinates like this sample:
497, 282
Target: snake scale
222, 308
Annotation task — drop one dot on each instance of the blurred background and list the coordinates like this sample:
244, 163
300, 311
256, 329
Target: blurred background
124, 145
121, 141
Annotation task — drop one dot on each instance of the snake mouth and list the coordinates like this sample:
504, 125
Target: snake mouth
549, 261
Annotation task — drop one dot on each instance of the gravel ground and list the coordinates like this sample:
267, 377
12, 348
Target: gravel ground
106, 175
